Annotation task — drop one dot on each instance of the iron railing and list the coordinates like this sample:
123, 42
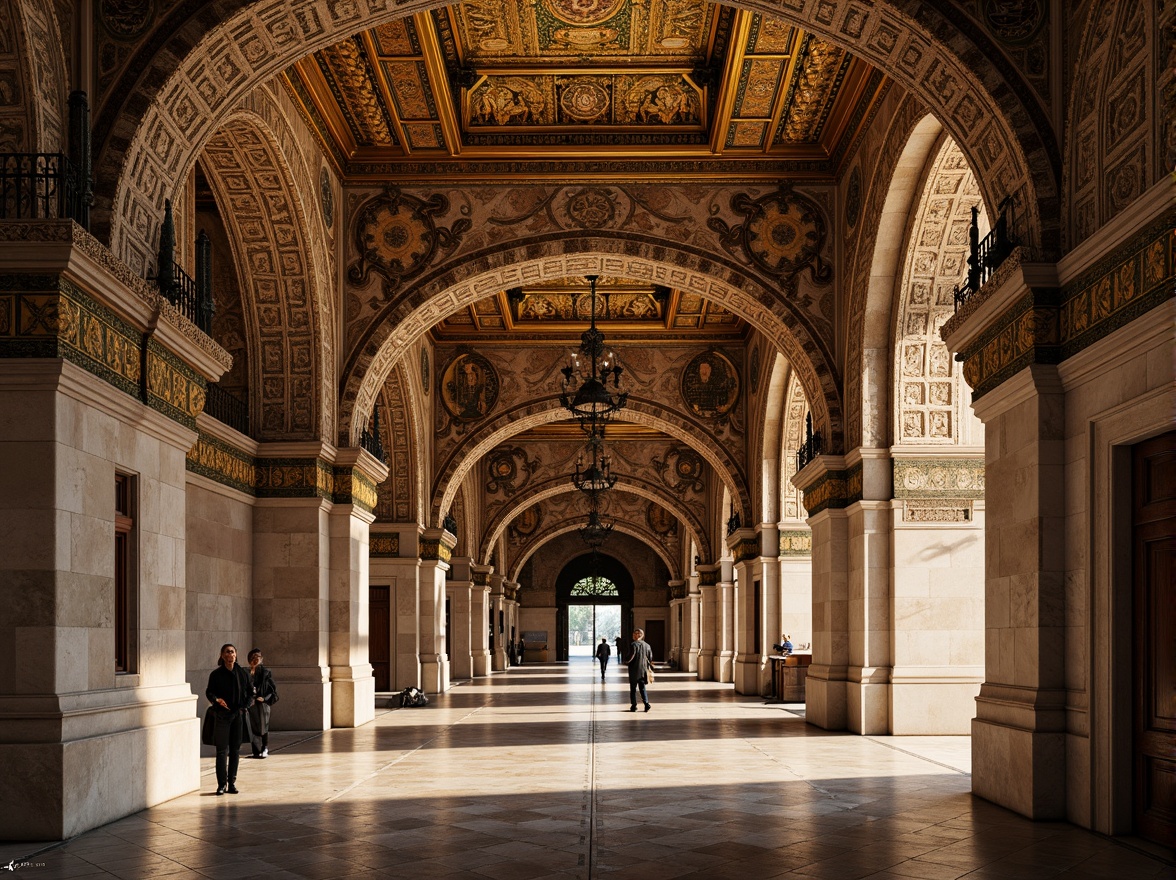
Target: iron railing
813, 444
192, 296
227, 409
370, 439
985, 255
51, 186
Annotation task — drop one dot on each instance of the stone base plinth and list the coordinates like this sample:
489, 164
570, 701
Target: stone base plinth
706, 666
825, 698
304, 704
927, 707
867, 701
53, 791
481, 663
724, 668
1019, 769
749, 676
434, 673
353, 695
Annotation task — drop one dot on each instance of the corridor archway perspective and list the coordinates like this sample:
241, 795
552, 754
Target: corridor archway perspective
383, 336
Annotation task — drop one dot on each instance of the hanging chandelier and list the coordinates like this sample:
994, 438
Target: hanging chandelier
596, 531
585, 392
597, 477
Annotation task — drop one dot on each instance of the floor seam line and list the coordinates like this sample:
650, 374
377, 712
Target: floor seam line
920, 757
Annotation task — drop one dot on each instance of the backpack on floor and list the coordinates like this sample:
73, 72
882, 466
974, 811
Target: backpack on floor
411, 696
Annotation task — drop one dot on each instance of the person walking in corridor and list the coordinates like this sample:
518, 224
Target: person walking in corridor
265, 694
603, 652
639, 661
231, 692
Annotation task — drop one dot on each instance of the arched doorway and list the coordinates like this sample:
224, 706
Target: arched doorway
589, 580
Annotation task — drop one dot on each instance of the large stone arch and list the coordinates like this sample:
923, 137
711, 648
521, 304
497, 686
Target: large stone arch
546, 410
34, 81
771, 416
465, 281
1115, 148
695, 527
931, 402
875, 261
401, 495
571, 524
190, 71
267, 226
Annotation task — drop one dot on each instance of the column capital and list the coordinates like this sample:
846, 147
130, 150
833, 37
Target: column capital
436, 545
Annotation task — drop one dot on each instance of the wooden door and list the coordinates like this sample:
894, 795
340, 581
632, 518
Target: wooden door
1154, 513
379, 627
655, 634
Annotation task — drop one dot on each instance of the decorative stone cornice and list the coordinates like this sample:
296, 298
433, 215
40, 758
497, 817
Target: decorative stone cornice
796, 542
938, 477
436, 545
382, 545
1022, 317
708, 576
829, 483
481, 575
217, 460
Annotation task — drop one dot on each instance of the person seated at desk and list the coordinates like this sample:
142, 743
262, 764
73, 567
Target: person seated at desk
785, 646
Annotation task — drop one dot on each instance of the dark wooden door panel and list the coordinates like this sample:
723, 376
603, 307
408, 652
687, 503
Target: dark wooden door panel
379, 627
1154, 627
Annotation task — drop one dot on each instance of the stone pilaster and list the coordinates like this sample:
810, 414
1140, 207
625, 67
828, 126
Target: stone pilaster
394, 553
795, 567
480, 619
436, 549
353, 687
757, 604
500, 634
459, 592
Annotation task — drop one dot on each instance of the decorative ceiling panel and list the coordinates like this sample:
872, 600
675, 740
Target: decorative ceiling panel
666, 83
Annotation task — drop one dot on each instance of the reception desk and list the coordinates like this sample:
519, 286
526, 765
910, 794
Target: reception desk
788, 676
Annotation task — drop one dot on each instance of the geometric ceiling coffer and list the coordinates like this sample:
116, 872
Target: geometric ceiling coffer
782, 233
397, 238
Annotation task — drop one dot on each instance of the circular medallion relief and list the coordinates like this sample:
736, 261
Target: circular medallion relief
584, 100
127, 19
584, 12
1014, 22
591, 208
710, 385
469, 387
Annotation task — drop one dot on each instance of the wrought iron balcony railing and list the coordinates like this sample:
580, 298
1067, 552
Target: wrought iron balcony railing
41, 186
985, 255
227, 409
812, 446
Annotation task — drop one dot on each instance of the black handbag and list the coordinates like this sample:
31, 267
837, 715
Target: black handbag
208, 729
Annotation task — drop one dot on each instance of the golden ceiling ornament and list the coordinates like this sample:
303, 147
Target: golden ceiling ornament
782, 233
584, 100
584, 13
347, 63
397, 237
820, 66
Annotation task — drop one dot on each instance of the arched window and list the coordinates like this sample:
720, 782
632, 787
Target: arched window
594, 587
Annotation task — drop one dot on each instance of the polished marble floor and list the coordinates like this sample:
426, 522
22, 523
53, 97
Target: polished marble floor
544, 772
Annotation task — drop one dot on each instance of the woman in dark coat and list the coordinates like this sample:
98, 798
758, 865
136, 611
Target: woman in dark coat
265, 694
231, 693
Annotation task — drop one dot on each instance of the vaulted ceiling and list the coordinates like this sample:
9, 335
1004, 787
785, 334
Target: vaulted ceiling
668, 84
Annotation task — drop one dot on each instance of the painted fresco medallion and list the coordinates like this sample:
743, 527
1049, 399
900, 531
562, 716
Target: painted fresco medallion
660, 520
584, 100
469, 387
592, 207
710, 385
527, 522
782, 232
127, 19
584, 13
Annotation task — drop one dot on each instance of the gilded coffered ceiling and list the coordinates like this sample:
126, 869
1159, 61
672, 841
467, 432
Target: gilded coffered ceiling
670, 84
627, 310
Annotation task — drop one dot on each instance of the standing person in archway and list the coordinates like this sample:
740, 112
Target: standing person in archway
639, 661
230, 691
603, 652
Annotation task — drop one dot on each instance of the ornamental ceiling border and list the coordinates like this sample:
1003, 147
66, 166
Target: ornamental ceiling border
442, 293
187, 77
507, 425
551, 531
498, 526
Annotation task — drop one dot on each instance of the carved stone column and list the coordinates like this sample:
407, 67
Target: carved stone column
353, 687
678, 622
708, 578
823, 482
480, 619
725, 623
757, 605
693, 615
510, 603
436, 549
459, 591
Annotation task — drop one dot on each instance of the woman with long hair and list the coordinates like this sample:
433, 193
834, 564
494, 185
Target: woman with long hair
230, 692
